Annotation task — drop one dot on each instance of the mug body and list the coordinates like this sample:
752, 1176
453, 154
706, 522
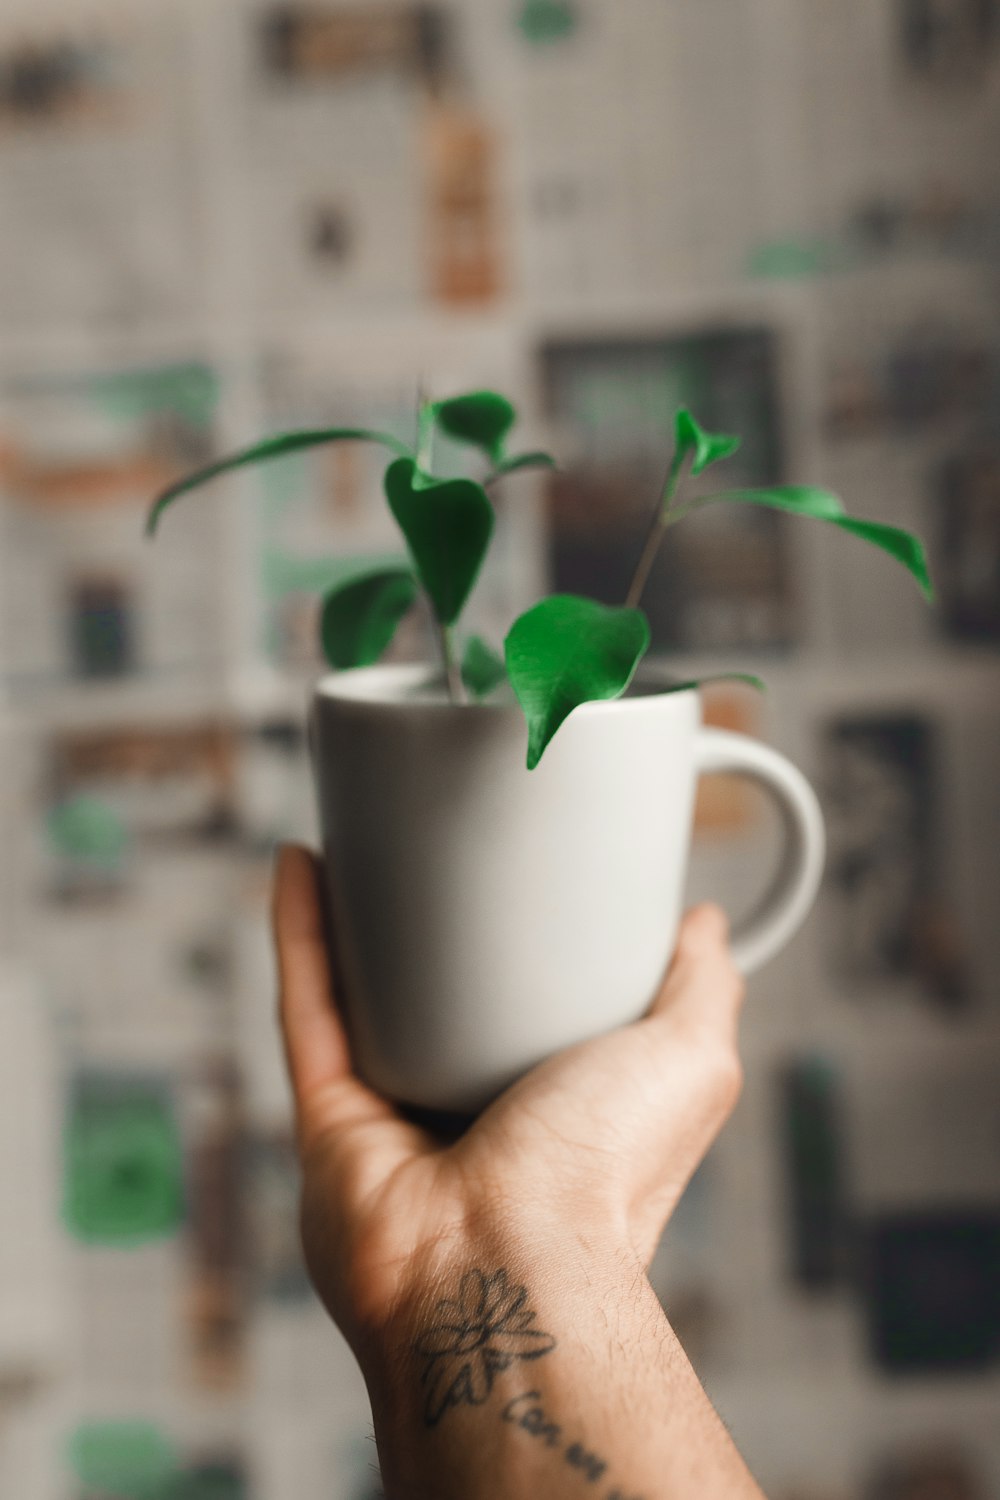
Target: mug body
485, 916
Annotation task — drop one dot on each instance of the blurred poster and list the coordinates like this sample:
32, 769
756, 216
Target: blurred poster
123, 1180
135, 836
723, 578
600, 184
212, 1476
928, 1471
272, 1177
276, 798
408, 209
118, 1458
81, 458
948, 41
891, 918
112, 791
968, 570
94, 173
931, 1290
324, 508
928, 374
817, 1206
34, 1288
216, 1290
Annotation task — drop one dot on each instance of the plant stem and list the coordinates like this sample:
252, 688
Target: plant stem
425, 430
453, 674
446, 633
662, 518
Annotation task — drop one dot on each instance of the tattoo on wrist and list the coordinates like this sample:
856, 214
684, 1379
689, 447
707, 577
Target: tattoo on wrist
485, 1329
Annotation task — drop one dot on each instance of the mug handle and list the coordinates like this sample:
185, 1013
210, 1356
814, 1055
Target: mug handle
785, 904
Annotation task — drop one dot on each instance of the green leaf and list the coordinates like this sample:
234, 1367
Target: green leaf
447, 526
902, 545
707, 447
258, 453
360, 617
698, 682
822, 505
482, 418
482, 668
566, 651
799, 499
534, 460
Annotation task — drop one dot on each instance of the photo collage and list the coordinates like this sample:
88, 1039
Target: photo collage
225, 221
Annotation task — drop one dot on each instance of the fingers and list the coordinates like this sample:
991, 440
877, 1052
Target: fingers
315, 1043
703, 989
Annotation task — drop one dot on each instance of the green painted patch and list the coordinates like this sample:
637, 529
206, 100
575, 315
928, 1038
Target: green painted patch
85, 828
122, 1460
543, 21
789, 260
123, 1181
214, 1480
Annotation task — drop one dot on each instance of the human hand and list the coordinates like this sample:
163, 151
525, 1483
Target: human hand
591, 1150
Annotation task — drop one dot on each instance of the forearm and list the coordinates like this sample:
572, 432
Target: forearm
572, 1383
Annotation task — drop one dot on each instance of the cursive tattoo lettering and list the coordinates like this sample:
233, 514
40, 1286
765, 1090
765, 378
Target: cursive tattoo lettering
532, 1418
578, 1457
484, 1330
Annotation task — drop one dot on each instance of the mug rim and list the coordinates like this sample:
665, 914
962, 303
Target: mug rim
359, 687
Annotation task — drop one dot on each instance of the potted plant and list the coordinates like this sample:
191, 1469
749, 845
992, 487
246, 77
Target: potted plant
506, 836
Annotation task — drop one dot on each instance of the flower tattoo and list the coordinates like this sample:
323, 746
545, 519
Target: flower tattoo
482, 1331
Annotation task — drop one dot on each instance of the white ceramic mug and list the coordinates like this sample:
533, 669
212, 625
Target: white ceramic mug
485, 916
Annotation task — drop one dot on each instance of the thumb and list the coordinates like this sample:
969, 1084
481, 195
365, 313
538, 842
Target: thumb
702, 993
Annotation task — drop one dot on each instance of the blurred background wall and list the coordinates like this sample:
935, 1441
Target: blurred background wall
220, 216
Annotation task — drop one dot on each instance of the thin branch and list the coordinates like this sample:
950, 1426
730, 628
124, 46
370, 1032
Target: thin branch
651, 547
453, 673
425, 429
425, 456
663, 516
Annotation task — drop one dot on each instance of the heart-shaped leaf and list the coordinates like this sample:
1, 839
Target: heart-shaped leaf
482, 668
803, 500
360, 616
447, 525
275, 447
482, 418
566, 651
707, 447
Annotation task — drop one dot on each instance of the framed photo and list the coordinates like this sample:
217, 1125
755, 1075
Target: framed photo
891, 918
81, 457
968, 501
928, 1471
947, 40
100, 205
932, 1291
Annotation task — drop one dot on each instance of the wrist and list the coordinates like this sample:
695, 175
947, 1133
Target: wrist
489, 1318
557, 1261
